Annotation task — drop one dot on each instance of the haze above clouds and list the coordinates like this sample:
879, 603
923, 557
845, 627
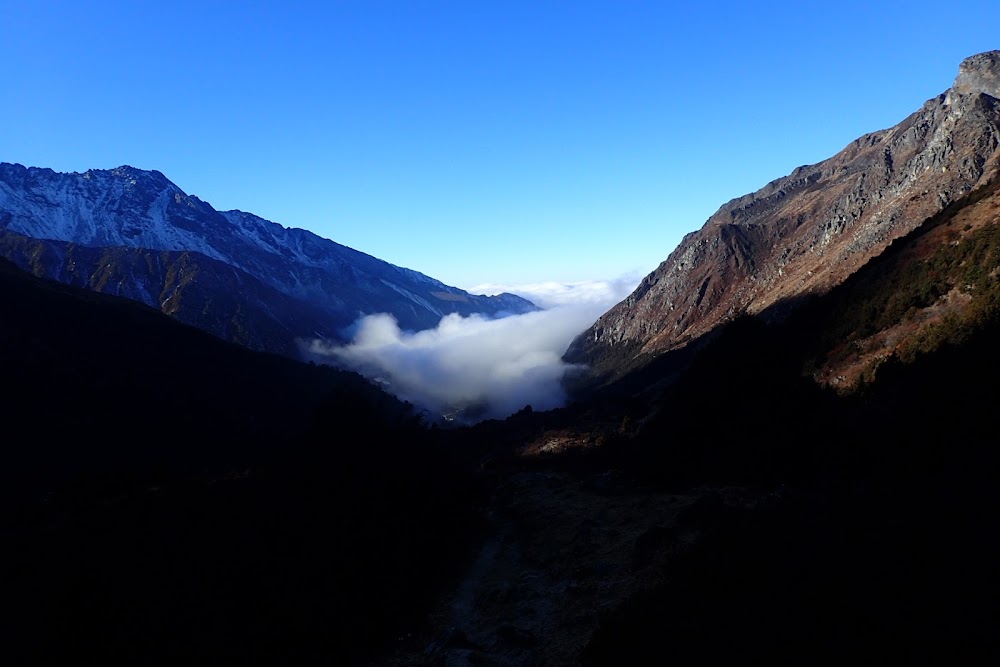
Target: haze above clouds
477, 367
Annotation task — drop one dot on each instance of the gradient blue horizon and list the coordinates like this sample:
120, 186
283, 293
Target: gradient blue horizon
476, 142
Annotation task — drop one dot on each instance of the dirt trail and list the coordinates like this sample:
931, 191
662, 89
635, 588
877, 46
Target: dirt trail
564, 550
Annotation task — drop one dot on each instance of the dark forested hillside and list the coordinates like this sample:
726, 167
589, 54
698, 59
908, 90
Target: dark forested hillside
876, 537
170, 498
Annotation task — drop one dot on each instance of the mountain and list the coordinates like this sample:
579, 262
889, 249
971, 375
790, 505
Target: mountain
802, 234
266, 284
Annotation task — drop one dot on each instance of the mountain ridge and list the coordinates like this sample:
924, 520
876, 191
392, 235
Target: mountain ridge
806, 232
136, 209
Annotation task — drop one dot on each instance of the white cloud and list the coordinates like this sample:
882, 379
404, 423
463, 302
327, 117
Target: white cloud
479, 366
487, 368
599, 293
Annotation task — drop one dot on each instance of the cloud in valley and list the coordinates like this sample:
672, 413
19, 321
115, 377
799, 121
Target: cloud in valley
599, 293
487, 368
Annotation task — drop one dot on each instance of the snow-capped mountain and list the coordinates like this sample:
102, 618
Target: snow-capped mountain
139, 210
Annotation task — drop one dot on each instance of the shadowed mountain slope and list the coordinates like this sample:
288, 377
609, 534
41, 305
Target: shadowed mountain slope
167, 497
114, 383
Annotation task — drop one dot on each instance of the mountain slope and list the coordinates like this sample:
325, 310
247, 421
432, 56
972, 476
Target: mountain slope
802, 234
142, 210
196, 289
936, 286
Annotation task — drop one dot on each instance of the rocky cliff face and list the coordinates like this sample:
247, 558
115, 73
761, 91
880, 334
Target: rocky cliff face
805, 233
262, 270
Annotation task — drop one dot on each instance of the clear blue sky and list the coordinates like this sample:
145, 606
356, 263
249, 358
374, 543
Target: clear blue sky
473, 141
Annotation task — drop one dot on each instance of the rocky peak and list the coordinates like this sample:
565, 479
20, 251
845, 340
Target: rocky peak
130, 176
979, 74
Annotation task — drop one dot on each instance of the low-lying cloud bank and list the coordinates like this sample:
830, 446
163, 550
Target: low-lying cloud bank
599, 293
476, 367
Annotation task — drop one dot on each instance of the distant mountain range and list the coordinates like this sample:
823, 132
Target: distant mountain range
799, 236
133, 233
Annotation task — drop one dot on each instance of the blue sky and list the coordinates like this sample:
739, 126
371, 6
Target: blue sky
478, 142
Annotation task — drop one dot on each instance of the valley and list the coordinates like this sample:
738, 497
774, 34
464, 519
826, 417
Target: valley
780, 448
